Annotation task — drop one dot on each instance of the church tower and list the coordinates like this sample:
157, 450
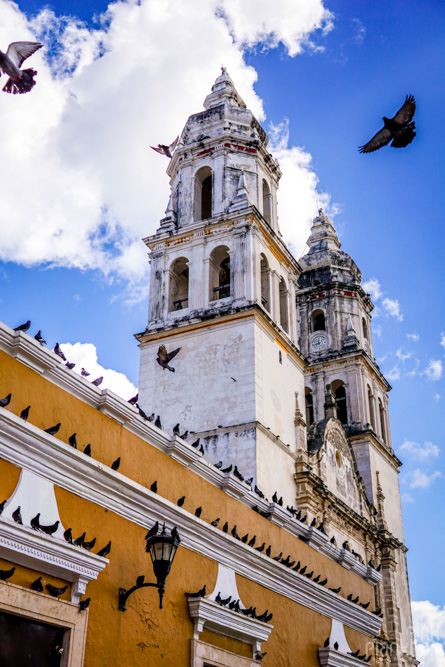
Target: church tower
334, 315
223, 290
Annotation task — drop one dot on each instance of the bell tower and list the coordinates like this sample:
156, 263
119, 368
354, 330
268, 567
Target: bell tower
223, 290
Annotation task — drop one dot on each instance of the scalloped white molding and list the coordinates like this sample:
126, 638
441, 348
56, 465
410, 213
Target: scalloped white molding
329, 657
338, 635
225, 585
224, 621
50, 555
44, 361
28, 447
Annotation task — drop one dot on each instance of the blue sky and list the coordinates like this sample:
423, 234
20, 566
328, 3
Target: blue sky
349, 69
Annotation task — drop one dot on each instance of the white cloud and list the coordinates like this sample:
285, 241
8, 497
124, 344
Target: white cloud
414, 337
437, 397
430, 655
393, 374
80, 140
359, 30
421, 480
373, 288
434, 370
403, 356
392, 308
428, 621
84, 355
377, 330
442, 339
421, 452
407, 498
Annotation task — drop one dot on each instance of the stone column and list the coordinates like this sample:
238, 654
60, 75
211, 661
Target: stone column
156, 287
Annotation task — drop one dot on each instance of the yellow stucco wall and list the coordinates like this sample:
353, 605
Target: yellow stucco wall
145, 635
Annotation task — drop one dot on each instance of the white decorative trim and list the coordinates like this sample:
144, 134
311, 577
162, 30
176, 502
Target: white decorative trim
347, 559
224, 621
372, 576
278, 515
28, 447
181, 451
225, 585
329, 657
234, 487
49, 555
44, 361
338, 636
316, 538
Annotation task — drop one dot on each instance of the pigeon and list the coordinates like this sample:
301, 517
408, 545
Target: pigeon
16, 515
151, 417
316, 579
84, 373
225, 527
198, 594
35, 523
184, 435
37, 585
310, 574
275, 497
260, 656
50, 530
20, 81
355, 653
21, 327
105, 551
234, 533
68, 535
84, 604
218, 465
336, 646
6, 574
221, 601
87, 450
201, 449
55, 592
346, 546
80, 540
98, 381
39, 338
25, 413
143, 415
198, 511
268, 550
59, 352
115, 465
364, 605
332, 540
279, 557
326, 643
237, 474
215, 523
400, 129
52, 430
196, 443
176, 429
303, 569
158, 422
2, 506
73, 440
175, 534
313, 522
5, 401
154, 487
89, 545
153, 531
258, 492
335, 590
261, 548
164, 357
180, 502
252, 541
70, 365
140, 580
228, 469
133, 400
162, 149
324, 582
245, 538
297, 566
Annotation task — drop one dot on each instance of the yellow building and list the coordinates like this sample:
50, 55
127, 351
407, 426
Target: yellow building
297, 564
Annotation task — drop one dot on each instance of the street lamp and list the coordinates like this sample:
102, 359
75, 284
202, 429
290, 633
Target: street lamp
162, 549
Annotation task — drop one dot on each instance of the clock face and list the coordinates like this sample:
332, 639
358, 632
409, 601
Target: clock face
318, 343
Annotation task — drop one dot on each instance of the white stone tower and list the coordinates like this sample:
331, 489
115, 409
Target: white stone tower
222, 289
335, 327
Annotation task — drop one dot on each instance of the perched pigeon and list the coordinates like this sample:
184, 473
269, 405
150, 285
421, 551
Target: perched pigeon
153, 531
154, 487
68, 535
164, 357
39, 338
115, 465
5, 401
70, 365
73, 440
215, 522
166, 150
80, 540
5, 574
52, 430
16, 515
50, 530
399, 129
133, 400
21, 327
89, 545
37, 585
55, 592
84, 604
25, 413
59, 352
105, 551
180, 502
87, 450
198, 594
98, 381
20, 81
158, 422
84, 373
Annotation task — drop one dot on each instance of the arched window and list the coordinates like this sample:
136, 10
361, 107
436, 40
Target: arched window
178, 297
365, 329
203, 194
265, 283
339, 392
318, 321
219, 274
283, 305
382, 421
371, 408
309, 402
267, 202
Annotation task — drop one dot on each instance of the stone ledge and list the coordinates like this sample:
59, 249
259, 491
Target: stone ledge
329, 657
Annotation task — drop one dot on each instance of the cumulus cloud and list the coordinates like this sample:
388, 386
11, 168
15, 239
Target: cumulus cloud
430, 655
421, 480
421, 452
393, 374
392, 308
403, 356
84, 355
373, 288
434, 370
413, 337
407, 498
80, 184
429, 630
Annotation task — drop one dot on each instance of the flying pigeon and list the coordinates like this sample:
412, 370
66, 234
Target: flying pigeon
166, 150
39, 338
20, 81
59, 352
21, 327
399, 129
164, 357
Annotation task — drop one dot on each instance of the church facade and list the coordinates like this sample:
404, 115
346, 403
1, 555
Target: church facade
262, 437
